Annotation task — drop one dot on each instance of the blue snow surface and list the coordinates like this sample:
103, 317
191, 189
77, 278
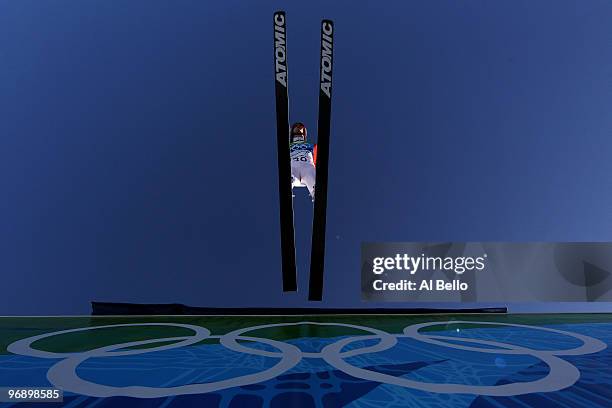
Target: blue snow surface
314, 383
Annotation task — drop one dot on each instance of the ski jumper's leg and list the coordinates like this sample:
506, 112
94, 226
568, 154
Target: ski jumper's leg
295, 173
309, 178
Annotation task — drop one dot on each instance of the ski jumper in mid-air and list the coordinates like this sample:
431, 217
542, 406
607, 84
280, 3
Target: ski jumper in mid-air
303, 159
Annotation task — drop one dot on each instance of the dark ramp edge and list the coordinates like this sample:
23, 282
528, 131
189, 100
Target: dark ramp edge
119, 309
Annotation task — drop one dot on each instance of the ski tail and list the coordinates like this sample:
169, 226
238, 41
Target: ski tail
289, 269
317, 255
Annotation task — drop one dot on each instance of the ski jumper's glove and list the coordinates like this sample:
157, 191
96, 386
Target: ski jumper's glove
314, 155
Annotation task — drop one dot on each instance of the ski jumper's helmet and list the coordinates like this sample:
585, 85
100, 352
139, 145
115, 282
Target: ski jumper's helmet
298, 132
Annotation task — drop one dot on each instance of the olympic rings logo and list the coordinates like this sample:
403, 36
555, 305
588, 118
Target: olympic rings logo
63, 374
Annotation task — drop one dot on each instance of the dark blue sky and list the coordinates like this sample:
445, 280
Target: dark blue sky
138, 156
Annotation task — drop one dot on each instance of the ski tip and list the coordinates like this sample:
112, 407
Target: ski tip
279, 18
290, 286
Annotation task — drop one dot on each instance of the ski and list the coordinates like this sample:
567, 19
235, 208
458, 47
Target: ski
284, 164
317, 254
